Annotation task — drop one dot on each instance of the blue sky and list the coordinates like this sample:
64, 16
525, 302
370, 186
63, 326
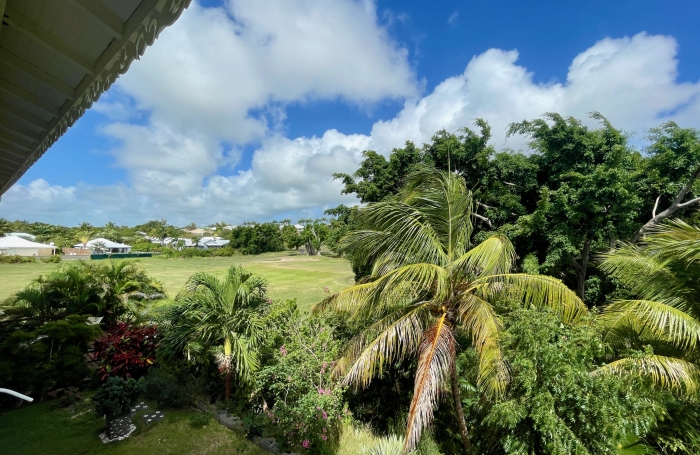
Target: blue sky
243, 109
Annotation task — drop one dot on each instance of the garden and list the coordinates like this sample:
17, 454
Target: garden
502, 303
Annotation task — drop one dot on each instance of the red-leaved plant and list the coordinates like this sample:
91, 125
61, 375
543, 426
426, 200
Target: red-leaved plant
126, 351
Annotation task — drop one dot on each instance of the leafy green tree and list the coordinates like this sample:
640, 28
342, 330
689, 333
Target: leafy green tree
314, 235
257, 238
587, 201
664, 318
429, 284
219, 317
558, 402
378, 178
291, 238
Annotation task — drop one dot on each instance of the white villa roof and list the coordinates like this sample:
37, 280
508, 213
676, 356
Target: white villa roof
56, 58
213, 241
19, 242
20, 234
107, 243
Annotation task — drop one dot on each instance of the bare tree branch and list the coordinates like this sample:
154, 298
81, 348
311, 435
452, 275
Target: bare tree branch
484, 219
675, 206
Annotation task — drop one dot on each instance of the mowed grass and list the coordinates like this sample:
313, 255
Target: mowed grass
39, 429
289, 275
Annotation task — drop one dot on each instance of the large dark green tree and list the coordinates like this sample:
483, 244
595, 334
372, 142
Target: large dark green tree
587, 199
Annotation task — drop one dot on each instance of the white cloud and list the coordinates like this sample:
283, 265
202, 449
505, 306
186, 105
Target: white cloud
211, 68
633, 81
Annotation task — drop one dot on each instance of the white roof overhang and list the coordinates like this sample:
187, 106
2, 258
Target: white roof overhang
56, 58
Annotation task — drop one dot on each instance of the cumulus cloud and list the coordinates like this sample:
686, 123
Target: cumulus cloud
631, 80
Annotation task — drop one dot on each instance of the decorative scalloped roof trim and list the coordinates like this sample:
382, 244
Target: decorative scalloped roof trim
165, 13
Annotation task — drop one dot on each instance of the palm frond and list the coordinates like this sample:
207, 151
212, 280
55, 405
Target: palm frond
482, 323
653, 320
387, 341
402, 286
669, 373
493, 256
436, 358
539, 291
445, 203
646, 275
675, 239
403, 231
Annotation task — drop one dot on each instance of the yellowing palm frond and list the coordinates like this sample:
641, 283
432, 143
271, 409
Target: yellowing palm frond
389, 340
493, 256
666, 372
675, 239
482, 323
402, 286
653, 320
436, 359
539, 291
646, 275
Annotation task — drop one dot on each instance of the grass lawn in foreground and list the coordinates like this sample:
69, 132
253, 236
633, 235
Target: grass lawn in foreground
40, 429
289, 275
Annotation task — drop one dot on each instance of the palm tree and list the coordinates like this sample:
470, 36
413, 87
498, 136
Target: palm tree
221, 315
663, 273
124, 288
84, 236
428, 284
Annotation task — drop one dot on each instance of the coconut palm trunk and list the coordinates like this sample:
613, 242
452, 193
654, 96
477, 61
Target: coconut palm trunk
461, 421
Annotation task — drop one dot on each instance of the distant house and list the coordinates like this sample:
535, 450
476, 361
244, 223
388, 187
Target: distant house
179, 242
210, 243
299, 227
105, 245
198, 231
15, 245
23, 235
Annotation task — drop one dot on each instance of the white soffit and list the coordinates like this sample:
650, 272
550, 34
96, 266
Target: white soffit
56, 58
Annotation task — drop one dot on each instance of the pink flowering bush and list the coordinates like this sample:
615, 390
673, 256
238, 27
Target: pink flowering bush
303, 405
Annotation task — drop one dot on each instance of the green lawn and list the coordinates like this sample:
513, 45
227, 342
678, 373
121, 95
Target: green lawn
289, 275
39, 429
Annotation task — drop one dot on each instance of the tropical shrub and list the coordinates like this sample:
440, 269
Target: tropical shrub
218, 318
559, 400
48, 357
126, 351
53, 259
303, 404
116, 396
15, 259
